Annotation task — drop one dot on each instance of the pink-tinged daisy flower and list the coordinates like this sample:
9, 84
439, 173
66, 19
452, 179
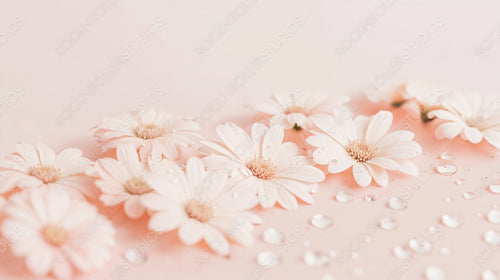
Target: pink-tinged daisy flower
125, 180
148, 130
202, 206
427, 96
293, 112
362, 144
39, 166
269, 168
56, 234
471, 116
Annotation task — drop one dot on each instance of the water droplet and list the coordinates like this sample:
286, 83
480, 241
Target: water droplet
316, 258
328, 277
435, 273
344, 197
268, 259
494, 188
370, 197
469, 195
321, 221
134, 257
452, 220
355, 256
489, 275
445, 251
448, 199
492, 237
397, 203
388, 223
420, 245
272, 236
313, 189
461, 182
358, 271
447, 156
401, 253
433, 229
446, 167
307, 243
368, 239
494, 216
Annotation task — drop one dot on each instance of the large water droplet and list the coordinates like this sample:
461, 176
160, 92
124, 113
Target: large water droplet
492, 237
397, 203
435, 273
134, 257
446, 167
344, 197
272, 236
370, 197
469, 195
494, 216
452, 220
401, 253
268, 259
388, 223
321, 221
315, 258
420, 245
495, 188
489, 275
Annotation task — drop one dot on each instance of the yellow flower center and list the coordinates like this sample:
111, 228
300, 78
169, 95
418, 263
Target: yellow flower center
199, 211
262, 168
149, 131
361, 151
137, 186
55, 235
46, 174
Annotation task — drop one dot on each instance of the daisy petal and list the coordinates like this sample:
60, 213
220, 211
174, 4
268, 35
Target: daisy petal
473, 135
378, 126
216, 241
361, 174
191, 232
379, 174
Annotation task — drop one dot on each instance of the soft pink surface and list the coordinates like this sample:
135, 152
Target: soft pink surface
168, 71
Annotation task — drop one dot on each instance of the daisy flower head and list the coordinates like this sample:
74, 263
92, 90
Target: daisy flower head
125, 179
269, 168
293, 111
56, 234
148, 130
32, 167
470, 116
364, 145
427, 96
202, 205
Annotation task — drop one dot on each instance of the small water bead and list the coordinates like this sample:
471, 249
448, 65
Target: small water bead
134, 257
307, 243
388, 223
272, 236
489, 275
461, 181
328, 277
452, 220
355, 256
492, 237
469, 195
420, 245
448, 199
446, 167
434, 273
368, 239
332, 254
445, 251
321, 221
433, 229
494, 216
370, 197
446, 156
316, 258
268, 259
401, 253
397, 203
344, 197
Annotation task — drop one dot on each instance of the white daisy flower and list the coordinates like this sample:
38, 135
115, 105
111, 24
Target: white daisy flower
362, 144
471, 116
56, 234
269, 168
427, 96
125, 180
293, 111
39, 166
201, 205
148, 130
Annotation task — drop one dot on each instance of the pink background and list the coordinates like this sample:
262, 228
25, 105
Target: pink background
66, 65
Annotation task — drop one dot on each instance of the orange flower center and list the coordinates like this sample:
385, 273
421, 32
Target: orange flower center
55, 235
46, 174
361, 151
137, 186
199, 211
262, 168
149, 131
